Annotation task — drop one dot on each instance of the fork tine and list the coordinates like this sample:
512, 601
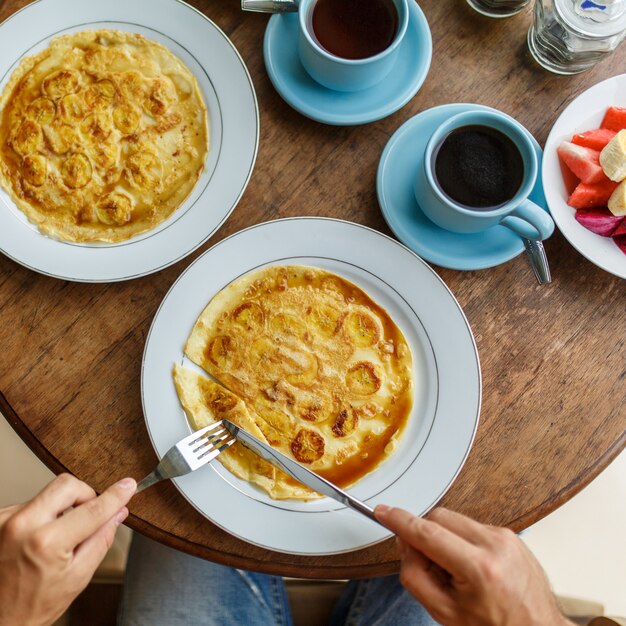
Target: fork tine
213, 440
215, 450
203, 432
183, 457
213, 435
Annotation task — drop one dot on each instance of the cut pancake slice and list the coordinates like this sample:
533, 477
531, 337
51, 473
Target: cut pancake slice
205, 402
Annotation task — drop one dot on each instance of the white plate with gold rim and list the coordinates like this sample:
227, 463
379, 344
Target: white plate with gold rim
228, 92
443, 421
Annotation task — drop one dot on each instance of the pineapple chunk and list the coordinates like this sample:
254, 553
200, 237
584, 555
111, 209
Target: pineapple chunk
617, 201
613, 157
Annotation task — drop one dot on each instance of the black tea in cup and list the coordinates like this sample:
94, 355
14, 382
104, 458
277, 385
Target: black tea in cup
355, 29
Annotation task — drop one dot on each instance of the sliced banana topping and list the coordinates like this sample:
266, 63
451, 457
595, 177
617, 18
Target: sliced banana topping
132, 86
41, 110
59, 84
286, 325
35, 169
144, 170
106, 156
28, 138
61, 138
221, 401
72, 108
127, 117
116, 208
249, 316
222, 351
161, 96
362, 328
95, 101
308, 446
263, 352
317, 411
76, 171
97, 126
326, 319
363, 379
104, 88
345, 423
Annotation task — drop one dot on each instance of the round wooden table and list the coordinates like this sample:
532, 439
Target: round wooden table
553, 357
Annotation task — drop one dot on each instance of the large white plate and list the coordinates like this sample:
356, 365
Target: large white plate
234, 134
583, 113
447, 372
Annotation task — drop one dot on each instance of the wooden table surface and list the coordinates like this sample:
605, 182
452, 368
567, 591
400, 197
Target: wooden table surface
553, 357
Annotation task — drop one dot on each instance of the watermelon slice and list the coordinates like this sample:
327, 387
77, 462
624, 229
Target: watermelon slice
584, 162
600, 221
595, 139
614, 119
620, 241
586, 196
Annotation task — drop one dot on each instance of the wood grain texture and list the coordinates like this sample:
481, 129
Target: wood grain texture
553, 357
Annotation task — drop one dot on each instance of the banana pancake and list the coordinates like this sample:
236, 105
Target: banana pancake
206, 402
102, 136
324, 372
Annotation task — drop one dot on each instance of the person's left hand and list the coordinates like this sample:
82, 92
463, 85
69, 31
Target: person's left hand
49, 554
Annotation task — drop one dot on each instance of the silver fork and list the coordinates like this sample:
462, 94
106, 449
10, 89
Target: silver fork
190, 453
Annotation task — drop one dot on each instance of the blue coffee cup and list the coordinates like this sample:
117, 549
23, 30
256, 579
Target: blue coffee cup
342, 74
519, 213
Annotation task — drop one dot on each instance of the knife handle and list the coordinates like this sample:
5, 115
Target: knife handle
361, 507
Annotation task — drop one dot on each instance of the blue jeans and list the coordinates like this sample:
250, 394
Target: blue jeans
164, 587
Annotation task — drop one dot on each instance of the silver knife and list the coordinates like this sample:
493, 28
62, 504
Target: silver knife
297, 471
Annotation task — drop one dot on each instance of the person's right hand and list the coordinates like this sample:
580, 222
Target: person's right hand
467, 574
49, 554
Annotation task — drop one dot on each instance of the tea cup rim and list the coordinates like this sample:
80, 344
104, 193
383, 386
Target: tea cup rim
526, 150
404, 24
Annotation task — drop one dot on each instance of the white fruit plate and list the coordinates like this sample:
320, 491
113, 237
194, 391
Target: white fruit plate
584, 113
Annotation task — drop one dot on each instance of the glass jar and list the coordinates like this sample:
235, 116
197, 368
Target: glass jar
571, 36
498, 8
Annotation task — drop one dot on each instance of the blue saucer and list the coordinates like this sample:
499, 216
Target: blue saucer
397, 170
298, 89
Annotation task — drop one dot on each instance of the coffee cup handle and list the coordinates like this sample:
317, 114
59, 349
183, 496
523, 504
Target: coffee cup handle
530, 221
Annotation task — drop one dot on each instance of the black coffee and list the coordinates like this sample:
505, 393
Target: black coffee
479, 167
355, 29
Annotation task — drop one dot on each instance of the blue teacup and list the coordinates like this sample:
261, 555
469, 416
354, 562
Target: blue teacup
519, 213
342, 74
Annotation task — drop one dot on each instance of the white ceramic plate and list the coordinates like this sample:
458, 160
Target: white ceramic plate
583, 113
447, 373
233, 122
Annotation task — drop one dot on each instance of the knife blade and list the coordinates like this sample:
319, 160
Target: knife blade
297, 471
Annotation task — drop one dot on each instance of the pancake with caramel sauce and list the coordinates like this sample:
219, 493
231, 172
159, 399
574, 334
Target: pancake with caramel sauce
206, 402
103, 135
323, 370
